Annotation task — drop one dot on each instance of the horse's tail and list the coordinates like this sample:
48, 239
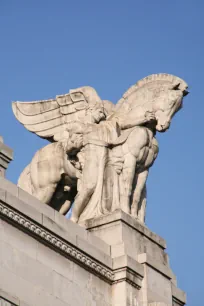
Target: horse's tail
24, 181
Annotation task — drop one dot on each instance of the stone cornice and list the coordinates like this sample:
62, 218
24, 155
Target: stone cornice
49, 238
111, 275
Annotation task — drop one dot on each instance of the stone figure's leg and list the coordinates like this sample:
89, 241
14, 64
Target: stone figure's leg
142, 205
46, 169
24, 181
128, 174
87, 183
45, 194
65, 207
140, 185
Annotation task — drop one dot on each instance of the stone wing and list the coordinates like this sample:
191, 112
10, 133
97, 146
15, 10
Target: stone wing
48, 118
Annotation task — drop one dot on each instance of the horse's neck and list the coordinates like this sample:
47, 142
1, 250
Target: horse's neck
144, 107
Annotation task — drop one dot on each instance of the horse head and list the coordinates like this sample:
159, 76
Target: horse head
167, 102
159, 93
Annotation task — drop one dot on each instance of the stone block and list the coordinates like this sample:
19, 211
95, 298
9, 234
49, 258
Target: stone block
60, 231
119, 227
6, 296
8, 186
93, 252
120, 215
117, 250
4, 302
35, 203
62, 287
18, 239
58, 263
17, 286
99, 243
119, 294
82, 277
158, 287
100, 291
26, 209
26, 267
163, 269
111, 233
70, 226
128, 262
80, 297
2, 195
179, 296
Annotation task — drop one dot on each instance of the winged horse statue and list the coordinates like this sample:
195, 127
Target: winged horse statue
99, 154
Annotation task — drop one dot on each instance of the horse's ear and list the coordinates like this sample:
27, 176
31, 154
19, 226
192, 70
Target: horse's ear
175, 86
178, 86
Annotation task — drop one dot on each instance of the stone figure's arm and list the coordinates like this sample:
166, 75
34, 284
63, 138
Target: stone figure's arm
76, 127
134, 118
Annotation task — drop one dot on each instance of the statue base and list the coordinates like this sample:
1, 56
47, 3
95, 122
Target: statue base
127, 236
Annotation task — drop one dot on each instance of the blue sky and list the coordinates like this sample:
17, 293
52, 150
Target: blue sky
49, 47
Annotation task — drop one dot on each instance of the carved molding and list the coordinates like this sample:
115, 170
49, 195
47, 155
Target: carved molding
177, 302
62, 246
4, 302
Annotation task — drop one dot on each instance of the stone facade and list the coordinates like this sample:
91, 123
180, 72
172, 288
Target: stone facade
46, 259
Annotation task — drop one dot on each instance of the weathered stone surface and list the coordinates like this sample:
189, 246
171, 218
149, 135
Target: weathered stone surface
7, 298
179, 296
127, 236
100, 153
48, 260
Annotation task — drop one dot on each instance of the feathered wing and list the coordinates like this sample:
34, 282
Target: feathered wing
48, 118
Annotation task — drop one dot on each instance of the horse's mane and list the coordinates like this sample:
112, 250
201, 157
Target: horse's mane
154, 81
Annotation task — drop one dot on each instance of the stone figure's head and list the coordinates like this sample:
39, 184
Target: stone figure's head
97, 113
167, 102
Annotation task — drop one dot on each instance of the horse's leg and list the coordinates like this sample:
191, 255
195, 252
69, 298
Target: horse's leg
127, 178
140, 185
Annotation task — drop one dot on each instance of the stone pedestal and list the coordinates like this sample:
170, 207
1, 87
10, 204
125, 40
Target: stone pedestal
127, 236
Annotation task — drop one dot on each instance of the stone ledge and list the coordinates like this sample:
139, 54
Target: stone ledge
7, 297
55, 241
74, 247
146, 259
120, 215
12, 194
179, 296
127, 269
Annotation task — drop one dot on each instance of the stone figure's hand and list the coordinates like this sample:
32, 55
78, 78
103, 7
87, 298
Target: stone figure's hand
150, 116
